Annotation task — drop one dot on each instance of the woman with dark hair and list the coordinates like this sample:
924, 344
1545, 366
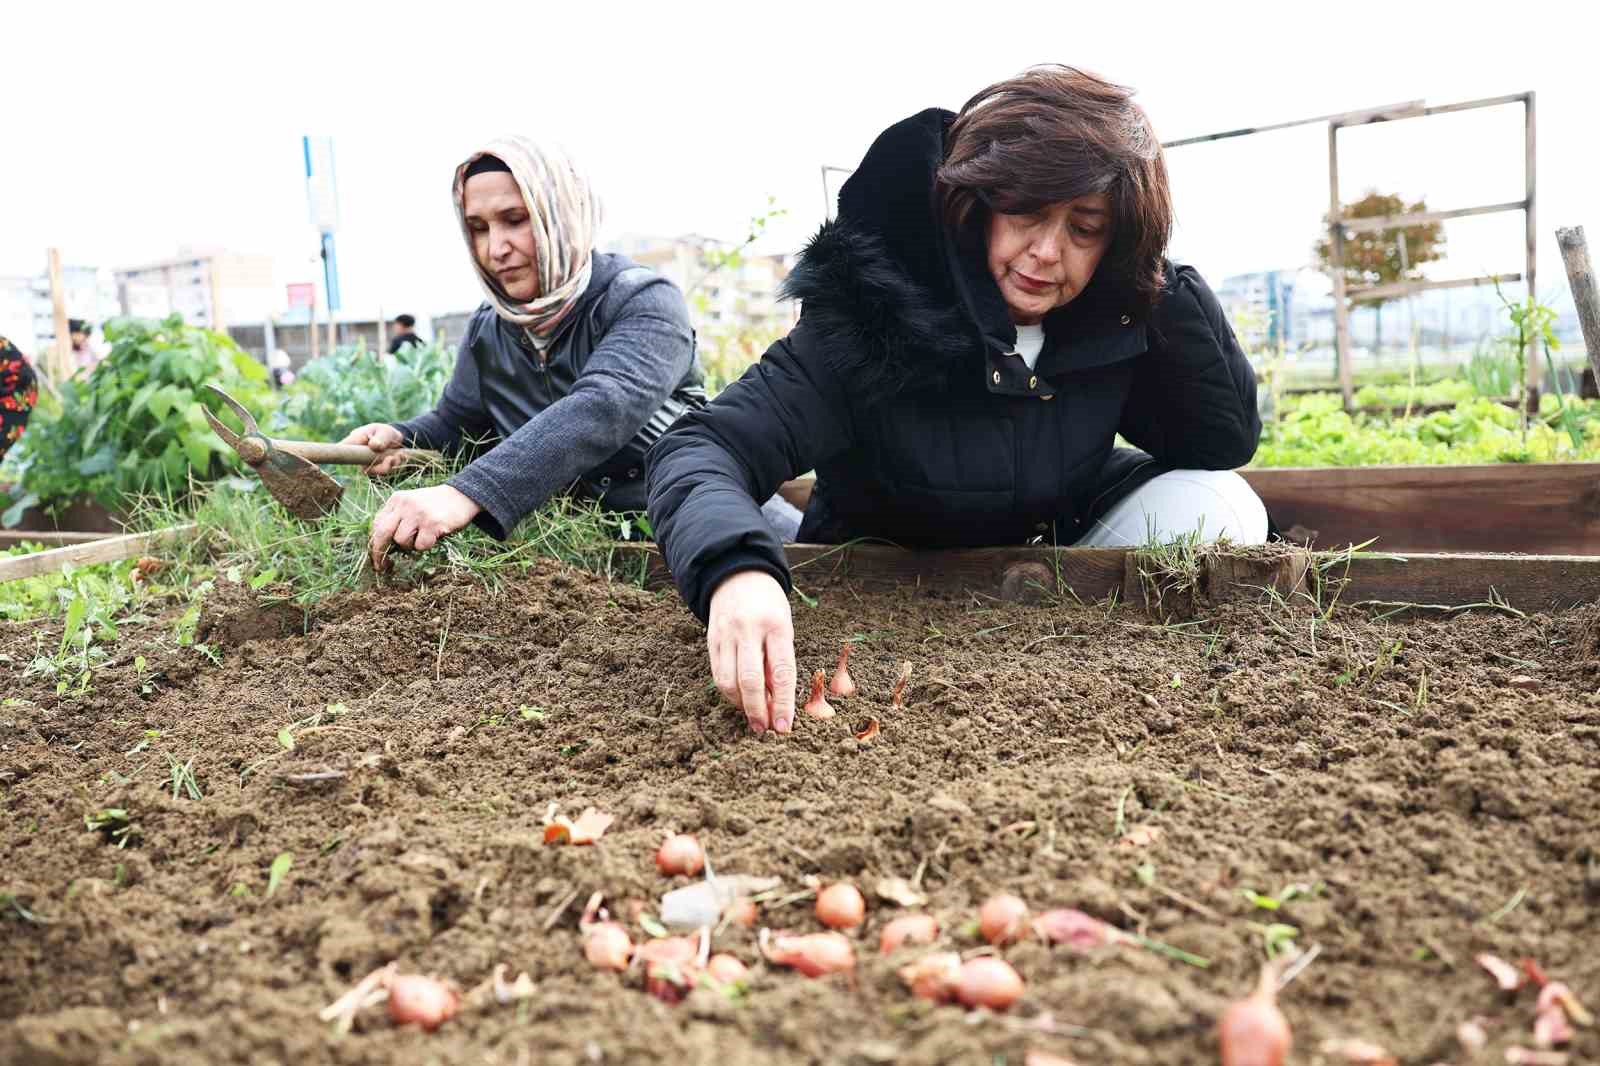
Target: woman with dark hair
991, 307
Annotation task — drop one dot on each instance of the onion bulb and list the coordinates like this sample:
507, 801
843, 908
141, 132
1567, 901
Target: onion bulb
990, 982
908, 929
933, 977
817, 704
680, 854
1253, 1031
427, 1001
607, 946
840, 906
813, 954
605, 943
1002, 919
741, 911
671, 966
726, 969
842, 683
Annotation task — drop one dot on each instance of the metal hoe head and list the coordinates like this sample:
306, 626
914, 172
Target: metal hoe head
303, 488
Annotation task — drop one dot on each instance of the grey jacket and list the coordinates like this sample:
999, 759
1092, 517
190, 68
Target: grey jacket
621, 370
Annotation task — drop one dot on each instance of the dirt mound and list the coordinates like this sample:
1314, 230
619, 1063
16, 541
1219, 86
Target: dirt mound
1425, 786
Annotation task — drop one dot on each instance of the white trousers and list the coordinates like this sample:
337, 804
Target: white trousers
1214, 503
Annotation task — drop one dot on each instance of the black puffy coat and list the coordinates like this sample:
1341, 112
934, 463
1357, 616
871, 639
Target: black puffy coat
900, 387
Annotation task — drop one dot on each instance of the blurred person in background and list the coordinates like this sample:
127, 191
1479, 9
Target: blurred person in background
280, 369
84, 353
405, 334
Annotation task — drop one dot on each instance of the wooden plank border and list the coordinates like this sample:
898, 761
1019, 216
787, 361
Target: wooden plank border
1544, 508
1541, 508
1526, 582
108, 550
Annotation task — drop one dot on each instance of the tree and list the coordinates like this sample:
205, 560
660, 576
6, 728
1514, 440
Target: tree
1374, 257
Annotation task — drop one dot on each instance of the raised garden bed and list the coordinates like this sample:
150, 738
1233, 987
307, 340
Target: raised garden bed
1427, 780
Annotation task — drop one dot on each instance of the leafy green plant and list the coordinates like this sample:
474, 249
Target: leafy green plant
1319, 433
134, 425
90, 604
353, 386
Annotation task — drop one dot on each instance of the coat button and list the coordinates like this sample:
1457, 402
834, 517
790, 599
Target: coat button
1127, 320
633, 472
605, 483
1033, 383
996, 377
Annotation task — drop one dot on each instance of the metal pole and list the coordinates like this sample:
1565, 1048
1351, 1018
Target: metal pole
1341, 307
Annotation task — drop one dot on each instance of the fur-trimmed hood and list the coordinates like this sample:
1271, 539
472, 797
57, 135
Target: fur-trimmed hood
892, 299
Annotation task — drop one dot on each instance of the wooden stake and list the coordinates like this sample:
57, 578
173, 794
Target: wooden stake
1535, 368
109, 550
61, 367
1585, 294
1341, 306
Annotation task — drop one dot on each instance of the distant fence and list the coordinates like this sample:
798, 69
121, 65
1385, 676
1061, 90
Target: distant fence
296, 338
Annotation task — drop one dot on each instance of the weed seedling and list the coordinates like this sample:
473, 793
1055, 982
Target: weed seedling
146, 686
183, 779
114, 822
149, 735
278, 870
532, 714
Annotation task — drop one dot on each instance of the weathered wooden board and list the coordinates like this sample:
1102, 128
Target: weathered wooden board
108, 550
1527, 582
1548, 508
9, 537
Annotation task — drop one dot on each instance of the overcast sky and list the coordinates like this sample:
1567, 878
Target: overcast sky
134, 129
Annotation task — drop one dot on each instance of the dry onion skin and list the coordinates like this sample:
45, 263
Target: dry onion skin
841, 906
843, 685
680, 854
908, 929
813, 954
424, 1001
1002, 919
897, 696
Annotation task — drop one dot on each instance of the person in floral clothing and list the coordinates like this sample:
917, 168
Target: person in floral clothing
18, 393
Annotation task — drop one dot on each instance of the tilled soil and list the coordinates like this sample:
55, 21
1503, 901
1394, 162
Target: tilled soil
1429, 783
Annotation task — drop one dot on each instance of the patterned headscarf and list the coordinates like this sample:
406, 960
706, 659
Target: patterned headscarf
565, 215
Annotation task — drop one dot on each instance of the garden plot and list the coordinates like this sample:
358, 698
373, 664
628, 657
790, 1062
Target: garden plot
1400, 794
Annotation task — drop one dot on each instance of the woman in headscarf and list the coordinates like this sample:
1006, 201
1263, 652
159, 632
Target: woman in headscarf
990, 309
573, 367
19, 393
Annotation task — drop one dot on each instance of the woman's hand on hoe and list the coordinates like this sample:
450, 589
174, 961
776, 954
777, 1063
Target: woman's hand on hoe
380, 437
417, 519
750, 636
